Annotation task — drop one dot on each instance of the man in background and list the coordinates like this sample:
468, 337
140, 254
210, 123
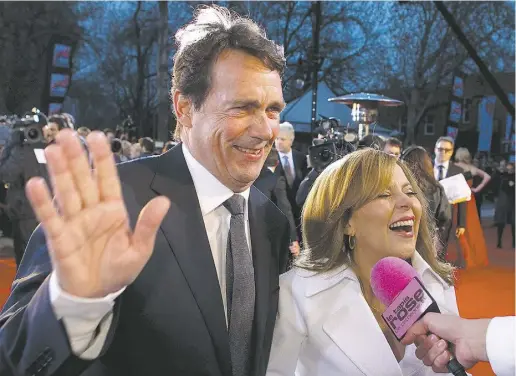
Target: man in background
274, 186
393, 146
445, 168
292, 166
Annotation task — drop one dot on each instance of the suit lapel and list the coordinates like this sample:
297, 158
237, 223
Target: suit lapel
183, 227
261, 248
354, 330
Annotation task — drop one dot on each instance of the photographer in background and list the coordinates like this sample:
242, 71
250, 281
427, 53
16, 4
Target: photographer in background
23, 158
332, 142
55, 124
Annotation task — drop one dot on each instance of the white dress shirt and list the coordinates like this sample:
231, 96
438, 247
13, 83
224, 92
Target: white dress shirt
445, 169
81, 317
290, 161
500, 345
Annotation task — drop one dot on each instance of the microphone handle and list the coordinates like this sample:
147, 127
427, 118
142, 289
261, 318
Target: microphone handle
453, 365
456, 368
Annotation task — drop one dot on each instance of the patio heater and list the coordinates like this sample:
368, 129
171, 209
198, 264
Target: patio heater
364, 108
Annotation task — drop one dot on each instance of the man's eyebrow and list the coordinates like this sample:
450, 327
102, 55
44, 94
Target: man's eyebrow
254, 103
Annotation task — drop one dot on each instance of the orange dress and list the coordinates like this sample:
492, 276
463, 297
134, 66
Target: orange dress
473, 244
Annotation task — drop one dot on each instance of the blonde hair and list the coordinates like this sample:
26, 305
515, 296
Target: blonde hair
463, 155
344, 187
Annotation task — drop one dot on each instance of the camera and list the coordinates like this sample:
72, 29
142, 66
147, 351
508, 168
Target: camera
335, 143
31, 126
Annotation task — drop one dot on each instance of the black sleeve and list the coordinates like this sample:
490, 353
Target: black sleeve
305, 186
443, 216
11, 164
32, 340
461, 214
280, 193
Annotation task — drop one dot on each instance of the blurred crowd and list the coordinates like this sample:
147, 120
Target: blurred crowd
286, 178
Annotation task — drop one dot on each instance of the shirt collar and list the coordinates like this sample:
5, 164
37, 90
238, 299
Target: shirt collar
289, 154
324, 281
422, 268
210, 191
446, 165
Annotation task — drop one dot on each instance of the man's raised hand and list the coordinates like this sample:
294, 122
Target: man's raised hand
93, 250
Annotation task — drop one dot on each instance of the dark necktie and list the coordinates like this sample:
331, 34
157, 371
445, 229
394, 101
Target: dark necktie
288, 171
240, 289
440, 174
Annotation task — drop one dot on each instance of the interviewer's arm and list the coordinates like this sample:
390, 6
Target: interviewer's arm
500, 345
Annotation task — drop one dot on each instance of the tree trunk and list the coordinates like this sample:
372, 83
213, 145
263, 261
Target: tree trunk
410, 138
163, 132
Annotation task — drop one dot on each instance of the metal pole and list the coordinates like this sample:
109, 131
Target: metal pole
317, 14
491, 80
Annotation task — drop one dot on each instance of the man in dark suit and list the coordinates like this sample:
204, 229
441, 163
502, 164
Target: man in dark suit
293, 166
193, 289
274, 186
445, 168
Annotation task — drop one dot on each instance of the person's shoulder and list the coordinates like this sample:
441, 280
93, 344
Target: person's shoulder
456, 167
129, 169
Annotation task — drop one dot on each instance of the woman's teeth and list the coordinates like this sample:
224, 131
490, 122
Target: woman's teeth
409, 223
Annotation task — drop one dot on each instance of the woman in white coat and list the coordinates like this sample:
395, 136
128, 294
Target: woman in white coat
362, 208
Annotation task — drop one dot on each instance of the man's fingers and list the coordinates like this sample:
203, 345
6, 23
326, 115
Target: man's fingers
148, 223
108, 182
424, 344
41, 201
437, 348
67, 196
79, 167
416, 330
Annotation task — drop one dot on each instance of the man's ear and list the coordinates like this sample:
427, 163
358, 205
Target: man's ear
183, 108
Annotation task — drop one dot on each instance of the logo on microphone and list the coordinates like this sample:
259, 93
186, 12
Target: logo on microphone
407, 308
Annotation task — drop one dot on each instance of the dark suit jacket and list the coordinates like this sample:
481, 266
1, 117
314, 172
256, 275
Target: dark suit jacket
275, 188
453, 170
301, 168
171, 320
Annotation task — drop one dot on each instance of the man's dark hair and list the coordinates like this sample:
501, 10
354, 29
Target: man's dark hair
199, 44
116, 145
61, 123
148, 145
394, 142
371, 141
446, 139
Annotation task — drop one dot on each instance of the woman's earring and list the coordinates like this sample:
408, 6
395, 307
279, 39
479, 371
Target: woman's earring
352, 242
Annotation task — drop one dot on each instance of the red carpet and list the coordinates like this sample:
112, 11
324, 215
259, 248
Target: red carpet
483, 292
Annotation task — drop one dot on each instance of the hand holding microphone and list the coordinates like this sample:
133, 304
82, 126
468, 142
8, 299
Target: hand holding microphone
468, 336
397, 285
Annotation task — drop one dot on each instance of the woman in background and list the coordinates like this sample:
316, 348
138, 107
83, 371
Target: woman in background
420, 164
479, 178
504, 210
473, 243
362, 208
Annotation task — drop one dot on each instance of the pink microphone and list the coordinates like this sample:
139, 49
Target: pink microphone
398, 286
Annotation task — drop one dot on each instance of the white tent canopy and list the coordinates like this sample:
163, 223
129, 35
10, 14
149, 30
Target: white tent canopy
299, 111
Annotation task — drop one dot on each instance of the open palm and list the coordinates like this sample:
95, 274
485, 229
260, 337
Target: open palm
93, 250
